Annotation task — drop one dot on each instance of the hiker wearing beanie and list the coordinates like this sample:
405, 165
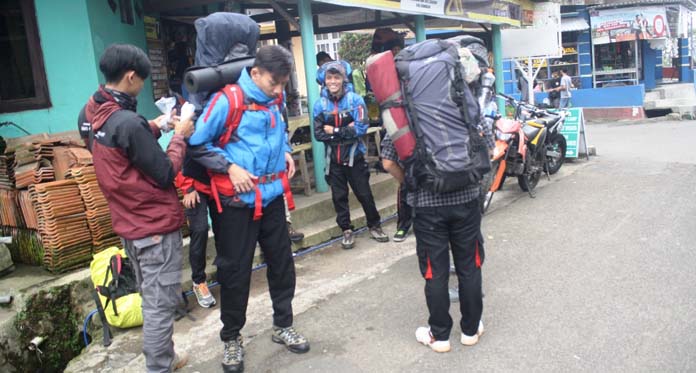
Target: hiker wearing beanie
340, 121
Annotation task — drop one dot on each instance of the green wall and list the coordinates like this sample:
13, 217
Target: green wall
108, 29
74, 33
69, 61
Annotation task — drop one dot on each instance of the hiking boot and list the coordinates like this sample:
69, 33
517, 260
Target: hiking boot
453, 294
400, 235
295, 236
294, 341
348, 240
424, 336
378, 234
472, 340
203, 295
180, 360
233, 356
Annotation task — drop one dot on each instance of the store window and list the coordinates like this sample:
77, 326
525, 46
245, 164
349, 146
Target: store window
568, 61
617, 64
22, 75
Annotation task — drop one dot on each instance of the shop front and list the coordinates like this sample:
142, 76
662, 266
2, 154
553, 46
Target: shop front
615, 54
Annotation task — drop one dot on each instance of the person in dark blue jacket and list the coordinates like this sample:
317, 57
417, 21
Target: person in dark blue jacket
340, 121
255, 165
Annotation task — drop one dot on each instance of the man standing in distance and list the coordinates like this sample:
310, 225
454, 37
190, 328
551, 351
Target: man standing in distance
566, 86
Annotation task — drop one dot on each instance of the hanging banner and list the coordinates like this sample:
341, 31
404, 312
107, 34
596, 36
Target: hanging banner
627, 24
507, 12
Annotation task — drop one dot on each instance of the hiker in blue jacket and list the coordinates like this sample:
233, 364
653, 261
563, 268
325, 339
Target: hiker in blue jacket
247, 185
340, 121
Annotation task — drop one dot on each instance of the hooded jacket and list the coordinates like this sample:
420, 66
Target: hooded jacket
134, 173
348, 114
258, 145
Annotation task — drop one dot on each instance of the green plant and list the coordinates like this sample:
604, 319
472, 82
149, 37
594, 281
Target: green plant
355, 48
52, 316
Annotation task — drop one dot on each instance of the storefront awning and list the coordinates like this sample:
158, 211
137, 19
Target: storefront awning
574, 24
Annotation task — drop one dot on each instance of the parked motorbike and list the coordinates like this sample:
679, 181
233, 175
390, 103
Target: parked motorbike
555, 142
522, 147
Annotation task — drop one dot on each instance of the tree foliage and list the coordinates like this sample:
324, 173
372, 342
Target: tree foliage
355, 48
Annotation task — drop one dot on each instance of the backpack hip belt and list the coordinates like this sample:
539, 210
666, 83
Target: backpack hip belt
221, 184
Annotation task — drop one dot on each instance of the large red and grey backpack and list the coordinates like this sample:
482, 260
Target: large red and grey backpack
444, 117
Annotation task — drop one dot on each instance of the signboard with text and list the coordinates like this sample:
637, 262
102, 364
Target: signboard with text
627, 24
573, 125
487, 11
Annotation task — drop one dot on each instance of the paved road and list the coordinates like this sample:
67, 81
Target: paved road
594, 274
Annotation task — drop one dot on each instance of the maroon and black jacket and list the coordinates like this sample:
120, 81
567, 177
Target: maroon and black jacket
134, 173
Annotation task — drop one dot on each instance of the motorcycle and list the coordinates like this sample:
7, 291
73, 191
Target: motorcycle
522, 147
555, 142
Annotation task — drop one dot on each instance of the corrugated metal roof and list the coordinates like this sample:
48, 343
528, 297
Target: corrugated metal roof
574, 24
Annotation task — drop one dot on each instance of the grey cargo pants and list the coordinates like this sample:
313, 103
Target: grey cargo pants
157, 261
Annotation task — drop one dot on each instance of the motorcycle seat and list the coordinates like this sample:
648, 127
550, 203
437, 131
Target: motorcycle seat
548, 121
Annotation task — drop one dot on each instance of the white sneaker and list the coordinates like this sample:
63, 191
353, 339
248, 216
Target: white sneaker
472, 340
424, 336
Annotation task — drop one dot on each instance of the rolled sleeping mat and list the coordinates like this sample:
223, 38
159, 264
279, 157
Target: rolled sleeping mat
212, 78
382, 74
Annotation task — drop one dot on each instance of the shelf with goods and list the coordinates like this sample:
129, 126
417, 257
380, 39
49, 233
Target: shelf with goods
616, 64
568, 60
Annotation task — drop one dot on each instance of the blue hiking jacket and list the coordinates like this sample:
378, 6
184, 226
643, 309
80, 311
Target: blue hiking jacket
339, 112
256, 146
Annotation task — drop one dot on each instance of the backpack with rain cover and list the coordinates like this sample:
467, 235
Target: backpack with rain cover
116, 294
450, 152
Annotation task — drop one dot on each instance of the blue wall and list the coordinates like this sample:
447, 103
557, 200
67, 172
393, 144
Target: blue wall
73, 35
649, 62
685, 75
107, 29
585, 53
627, 96
658, 64
68, 55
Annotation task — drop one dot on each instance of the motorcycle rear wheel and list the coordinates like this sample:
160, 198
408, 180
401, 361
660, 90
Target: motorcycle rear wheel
557, 144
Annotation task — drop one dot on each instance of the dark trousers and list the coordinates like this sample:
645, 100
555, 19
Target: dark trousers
236, 235
358, 177
437, 230
198, 224
403, 210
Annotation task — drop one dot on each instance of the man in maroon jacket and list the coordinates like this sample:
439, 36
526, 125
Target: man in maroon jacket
136, 177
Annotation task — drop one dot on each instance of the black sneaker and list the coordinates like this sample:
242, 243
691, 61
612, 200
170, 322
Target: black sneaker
233, 356
294, 341
295, 236
400, 235
348, 240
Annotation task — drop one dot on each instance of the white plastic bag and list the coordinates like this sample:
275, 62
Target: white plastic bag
165, 105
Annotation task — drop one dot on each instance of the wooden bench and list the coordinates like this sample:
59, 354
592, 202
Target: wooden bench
306, 179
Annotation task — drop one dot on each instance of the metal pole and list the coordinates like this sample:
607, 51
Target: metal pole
420, 28
530, 80
498, 65
309, 54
